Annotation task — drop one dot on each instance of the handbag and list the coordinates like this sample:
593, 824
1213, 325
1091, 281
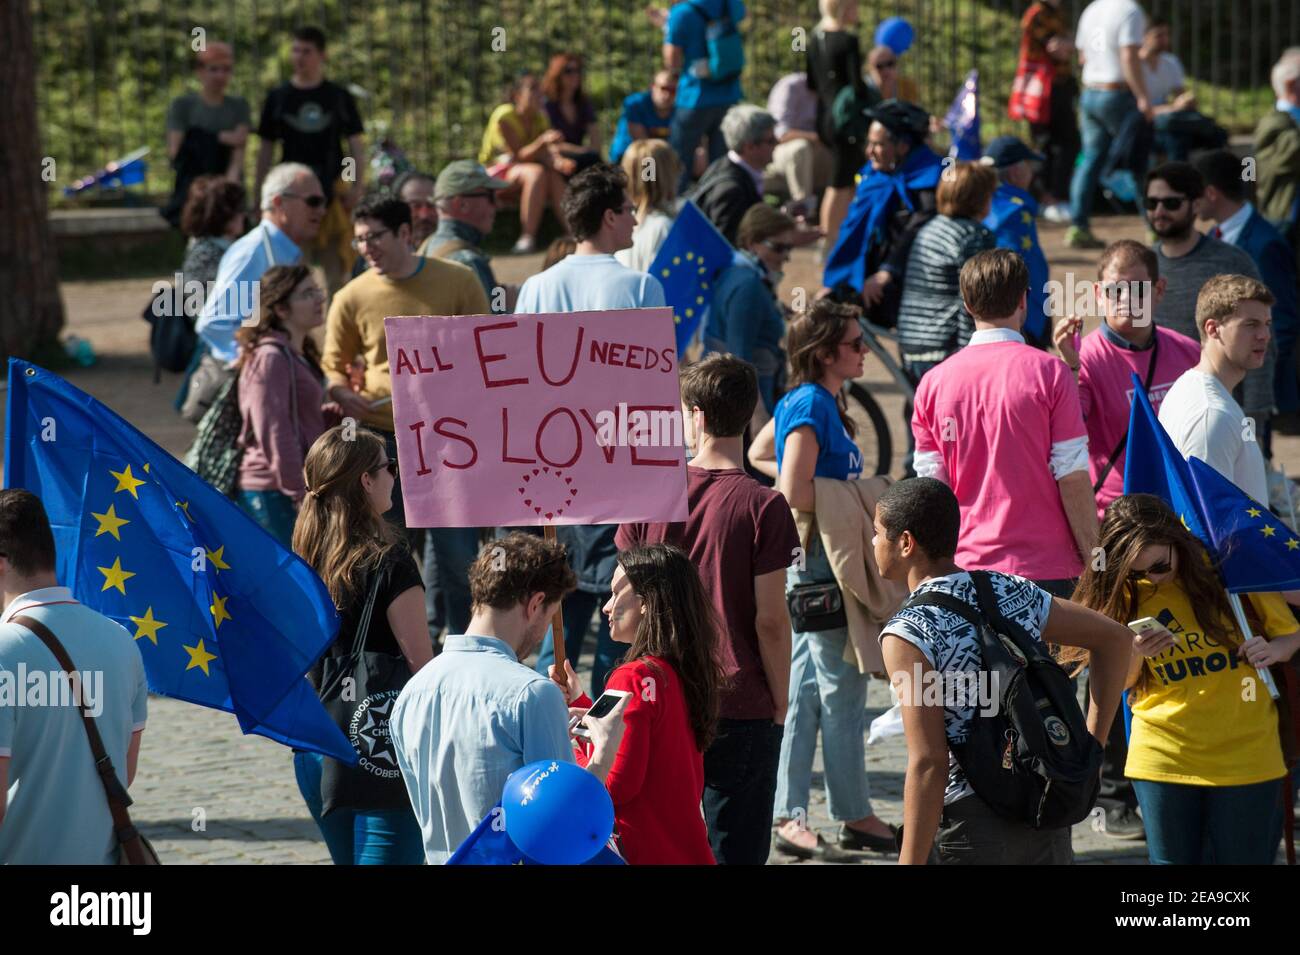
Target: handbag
361, 710
1031, 92
133, 848
816, 607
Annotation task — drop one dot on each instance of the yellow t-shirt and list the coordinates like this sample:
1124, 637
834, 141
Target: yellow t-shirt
1205, 718
355, 324
494, 144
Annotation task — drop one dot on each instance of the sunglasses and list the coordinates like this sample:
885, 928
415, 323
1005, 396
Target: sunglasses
390, 466
782, 248
858, 344
1172, 203
572, 70
487, 194
313, 202
1160, 567
887, 65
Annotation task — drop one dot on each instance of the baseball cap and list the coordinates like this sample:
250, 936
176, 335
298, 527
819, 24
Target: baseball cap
462, 177
1007, 151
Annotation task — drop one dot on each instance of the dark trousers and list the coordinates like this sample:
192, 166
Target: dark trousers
970, 833
577, 609
448, 552
1058, 139
740, 788
913, 371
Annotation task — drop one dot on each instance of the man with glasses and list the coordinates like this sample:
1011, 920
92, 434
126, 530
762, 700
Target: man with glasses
734, 182
1188, 260
646, 115
466, 198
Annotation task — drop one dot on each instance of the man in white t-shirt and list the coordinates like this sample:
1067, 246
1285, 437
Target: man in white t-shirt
1108, 39
1179, 128
1199, 412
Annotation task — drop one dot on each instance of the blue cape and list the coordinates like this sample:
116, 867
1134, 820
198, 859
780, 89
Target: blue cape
877, 197
1011, 221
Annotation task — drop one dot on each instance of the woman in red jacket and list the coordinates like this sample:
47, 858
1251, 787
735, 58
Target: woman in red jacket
658, 605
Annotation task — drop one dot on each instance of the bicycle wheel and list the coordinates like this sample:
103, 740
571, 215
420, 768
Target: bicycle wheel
873, 430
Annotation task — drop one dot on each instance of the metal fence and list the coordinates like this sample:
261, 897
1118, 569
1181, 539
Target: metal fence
432, 70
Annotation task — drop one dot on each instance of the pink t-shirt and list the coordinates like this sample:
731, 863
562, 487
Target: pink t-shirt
993, 412
1106, 394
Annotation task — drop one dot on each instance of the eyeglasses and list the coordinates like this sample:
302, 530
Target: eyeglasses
389, 465
858, 344
782, 248
887, 65
361, 240
311, 293
1172, 203
1160, 567
313, 202
572, 70
666, 89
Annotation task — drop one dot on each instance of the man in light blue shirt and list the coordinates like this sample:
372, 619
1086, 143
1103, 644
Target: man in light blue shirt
53, 808
293, 205
475, 714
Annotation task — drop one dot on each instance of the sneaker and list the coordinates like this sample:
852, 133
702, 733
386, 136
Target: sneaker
1077, 238
525, 245
1058, 213
1120, 822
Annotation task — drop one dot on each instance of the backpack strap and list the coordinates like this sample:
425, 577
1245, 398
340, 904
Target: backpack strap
127, 835
936, 598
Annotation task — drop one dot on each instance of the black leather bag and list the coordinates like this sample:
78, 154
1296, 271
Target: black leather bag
816, 607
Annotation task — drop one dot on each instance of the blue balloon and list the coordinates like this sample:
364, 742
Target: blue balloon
557, 813
895, 33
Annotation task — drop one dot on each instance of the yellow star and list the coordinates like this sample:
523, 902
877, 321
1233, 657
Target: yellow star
663, 272
1292, 544
218, 610
1025, 243
185, 506
126, 481
215, 557
1269, 530
690, 313
1016, 200
701, 270
1026, 218
115, 576
1253, 511
109, 522
199, 657
689, 256
677, 260
148, 626
699, 300
1184, 522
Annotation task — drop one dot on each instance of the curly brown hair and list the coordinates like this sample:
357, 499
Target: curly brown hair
509, 570
275, 287
210, 204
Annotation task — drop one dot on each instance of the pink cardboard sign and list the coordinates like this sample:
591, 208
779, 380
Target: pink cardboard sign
571, 418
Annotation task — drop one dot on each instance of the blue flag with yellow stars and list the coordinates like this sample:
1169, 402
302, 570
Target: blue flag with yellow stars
963, 120
692, 256
1152, 465
1011, 220
223, 615
1256, 551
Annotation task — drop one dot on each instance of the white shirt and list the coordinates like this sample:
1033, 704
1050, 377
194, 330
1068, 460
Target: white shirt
1104, 27
1230, 228
1167, 76
647, 237
1205, 421
755, 174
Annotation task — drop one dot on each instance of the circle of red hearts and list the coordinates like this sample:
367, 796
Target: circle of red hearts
533, 492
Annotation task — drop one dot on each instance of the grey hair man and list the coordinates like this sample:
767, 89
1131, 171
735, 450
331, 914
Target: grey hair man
734, 182
1277, 146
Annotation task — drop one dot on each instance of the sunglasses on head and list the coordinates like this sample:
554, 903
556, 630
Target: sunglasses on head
1172, 203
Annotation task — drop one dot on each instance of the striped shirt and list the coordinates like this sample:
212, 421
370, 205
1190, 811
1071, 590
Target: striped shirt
931, 317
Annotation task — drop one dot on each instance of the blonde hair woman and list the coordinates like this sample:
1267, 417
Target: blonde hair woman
652, 171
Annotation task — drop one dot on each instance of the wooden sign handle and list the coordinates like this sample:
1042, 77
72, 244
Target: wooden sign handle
557, 629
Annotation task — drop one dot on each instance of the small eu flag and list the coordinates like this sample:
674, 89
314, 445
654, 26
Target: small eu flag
223, 615
963, 120
692, 256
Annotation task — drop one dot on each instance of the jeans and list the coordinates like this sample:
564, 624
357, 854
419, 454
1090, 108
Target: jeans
578, 608
448, 552
390, 837
689, 127
274, 512
1101, 113
1210, 825
826, 693
740, 771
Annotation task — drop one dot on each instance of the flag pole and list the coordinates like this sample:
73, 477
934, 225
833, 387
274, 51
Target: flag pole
557, 629
1240, 613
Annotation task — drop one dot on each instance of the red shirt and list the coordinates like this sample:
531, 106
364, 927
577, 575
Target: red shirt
657, 779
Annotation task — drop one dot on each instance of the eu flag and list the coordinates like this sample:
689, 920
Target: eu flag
1152, 465
689, 260
963, 120
223, 615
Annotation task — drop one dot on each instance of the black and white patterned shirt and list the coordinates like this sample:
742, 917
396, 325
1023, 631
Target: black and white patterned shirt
931, 317
952, 648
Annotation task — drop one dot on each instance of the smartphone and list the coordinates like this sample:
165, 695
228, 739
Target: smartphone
1145, 625
602, 707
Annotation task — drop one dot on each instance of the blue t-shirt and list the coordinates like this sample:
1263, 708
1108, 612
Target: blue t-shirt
814, 406
687, 27
639, 108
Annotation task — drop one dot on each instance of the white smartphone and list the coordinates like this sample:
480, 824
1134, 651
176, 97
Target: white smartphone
602, 707
1144, 625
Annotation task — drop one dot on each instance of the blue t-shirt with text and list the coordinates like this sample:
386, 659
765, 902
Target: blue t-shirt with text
812, 405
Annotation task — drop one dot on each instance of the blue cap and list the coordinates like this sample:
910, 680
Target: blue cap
1007, 151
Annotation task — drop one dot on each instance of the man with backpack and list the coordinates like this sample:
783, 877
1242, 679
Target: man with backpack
1001, 761
703, 48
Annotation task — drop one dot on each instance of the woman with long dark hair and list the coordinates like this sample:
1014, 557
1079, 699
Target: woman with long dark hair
671, 670
342, 534
1204, 753
281, 397
570, 111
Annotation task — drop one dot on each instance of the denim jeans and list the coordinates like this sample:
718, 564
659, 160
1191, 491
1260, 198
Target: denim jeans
826, 693
274, 512
1210, 825
448, 552
1101, 113
740, 771
390, 837
689, 127
578, 608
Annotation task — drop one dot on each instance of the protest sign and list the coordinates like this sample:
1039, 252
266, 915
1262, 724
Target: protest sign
571, 418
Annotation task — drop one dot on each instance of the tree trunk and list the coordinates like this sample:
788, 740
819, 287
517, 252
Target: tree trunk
31, 310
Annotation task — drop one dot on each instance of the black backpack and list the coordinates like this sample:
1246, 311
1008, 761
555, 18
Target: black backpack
1034, 760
